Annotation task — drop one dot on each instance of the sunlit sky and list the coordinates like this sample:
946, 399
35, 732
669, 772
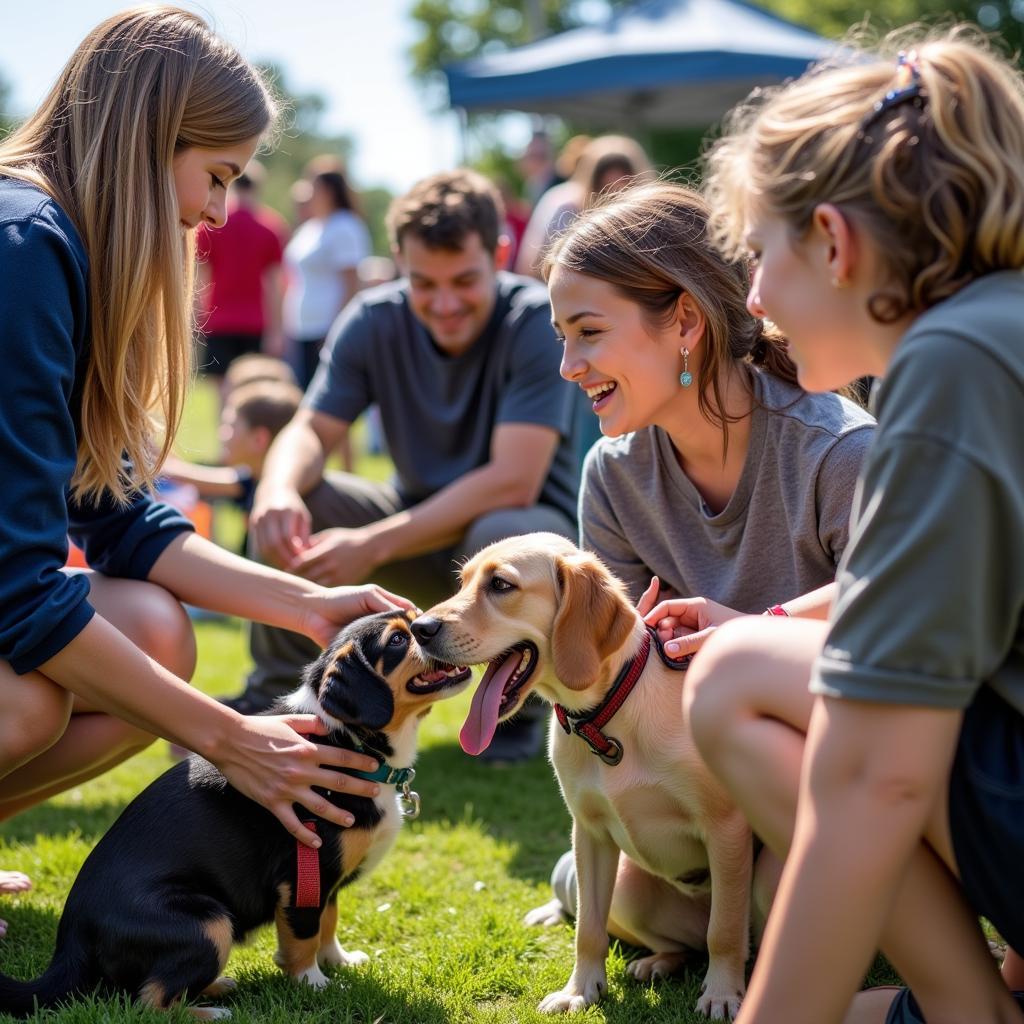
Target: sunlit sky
354, 52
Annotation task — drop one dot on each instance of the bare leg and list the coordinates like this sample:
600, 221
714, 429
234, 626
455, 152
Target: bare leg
749, 707
42, 717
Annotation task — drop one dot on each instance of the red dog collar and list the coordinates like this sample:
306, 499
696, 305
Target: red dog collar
588, 727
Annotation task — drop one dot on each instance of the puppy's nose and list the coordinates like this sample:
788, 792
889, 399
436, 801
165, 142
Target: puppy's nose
426, 627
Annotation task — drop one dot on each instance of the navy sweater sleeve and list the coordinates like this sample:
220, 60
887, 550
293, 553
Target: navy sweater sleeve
43, 347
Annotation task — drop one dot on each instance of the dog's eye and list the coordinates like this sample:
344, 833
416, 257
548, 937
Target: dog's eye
398, 639
500, 585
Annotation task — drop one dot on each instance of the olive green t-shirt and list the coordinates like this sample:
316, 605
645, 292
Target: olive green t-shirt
931, 586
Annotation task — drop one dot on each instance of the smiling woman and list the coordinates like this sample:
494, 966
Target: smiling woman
717, 474
95, 337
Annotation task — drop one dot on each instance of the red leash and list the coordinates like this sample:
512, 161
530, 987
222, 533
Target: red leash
307, 872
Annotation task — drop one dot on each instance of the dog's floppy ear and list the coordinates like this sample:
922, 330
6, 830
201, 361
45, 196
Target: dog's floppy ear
354, 692
594, 619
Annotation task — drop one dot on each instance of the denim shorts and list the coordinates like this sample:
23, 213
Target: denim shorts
986, 813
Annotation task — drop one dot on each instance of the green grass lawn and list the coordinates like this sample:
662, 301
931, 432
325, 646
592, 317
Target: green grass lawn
440, 918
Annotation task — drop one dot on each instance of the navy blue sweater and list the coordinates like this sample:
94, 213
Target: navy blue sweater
44, 349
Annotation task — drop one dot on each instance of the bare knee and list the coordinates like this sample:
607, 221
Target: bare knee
36, 715
158, 624
712, 697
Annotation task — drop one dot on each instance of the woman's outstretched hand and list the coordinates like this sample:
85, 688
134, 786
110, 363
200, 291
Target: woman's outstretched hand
682, 623
270, 760
327, 610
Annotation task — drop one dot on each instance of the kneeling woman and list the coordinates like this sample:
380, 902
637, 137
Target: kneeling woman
100, 191
717, 473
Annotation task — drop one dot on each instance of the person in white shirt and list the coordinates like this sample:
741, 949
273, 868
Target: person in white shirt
322, 261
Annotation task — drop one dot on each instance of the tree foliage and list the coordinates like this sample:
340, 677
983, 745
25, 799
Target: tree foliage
455, 30
301, 137
1004, 19
458, 29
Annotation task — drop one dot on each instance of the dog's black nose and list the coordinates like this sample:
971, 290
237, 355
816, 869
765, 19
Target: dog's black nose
425, 628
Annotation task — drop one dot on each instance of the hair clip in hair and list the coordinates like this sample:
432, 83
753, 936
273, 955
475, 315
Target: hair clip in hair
907, 88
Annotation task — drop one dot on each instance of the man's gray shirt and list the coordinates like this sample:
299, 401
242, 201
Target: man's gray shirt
439, 411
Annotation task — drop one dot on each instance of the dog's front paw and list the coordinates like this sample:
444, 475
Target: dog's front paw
656, 966
209, 1012
577, 995
313, 977
721, 993
333, 955
550, 914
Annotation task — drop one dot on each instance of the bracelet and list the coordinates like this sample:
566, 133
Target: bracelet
776, 609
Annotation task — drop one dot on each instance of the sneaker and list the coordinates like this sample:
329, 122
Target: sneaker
518, 739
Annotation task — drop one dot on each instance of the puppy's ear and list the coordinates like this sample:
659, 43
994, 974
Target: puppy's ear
594, 619
349, 689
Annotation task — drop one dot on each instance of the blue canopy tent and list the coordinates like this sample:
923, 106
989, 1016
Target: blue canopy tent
657, 64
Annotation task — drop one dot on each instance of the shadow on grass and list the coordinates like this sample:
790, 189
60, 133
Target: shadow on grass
90, 821
516, 803
264, 994
352, 996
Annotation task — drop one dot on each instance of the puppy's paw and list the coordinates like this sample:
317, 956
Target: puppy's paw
550, 914
656, 966
332, 955
220, 987
313, 977
209, 1012
721, 993
576, 996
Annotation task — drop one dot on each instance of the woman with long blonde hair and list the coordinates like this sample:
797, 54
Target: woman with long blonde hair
100, 191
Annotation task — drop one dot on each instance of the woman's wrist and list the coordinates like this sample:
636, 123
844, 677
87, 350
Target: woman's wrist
211, 734
290, 600
776, 609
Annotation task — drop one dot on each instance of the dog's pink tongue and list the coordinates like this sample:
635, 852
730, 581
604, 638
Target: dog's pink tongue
478, 729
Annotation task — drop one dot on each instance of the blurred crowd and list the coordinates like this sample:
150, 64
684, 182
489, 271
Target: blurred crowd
269, 288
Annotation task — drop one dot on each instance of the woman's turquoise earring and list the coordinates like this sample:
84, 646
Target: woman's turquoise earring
686, 378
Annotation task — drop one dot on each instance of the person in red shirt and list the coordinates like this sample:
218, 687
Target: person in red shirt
240, 280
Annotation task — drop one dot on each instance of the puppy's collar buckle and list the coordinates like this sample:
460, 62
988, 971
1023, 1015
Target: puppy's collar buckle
400, 778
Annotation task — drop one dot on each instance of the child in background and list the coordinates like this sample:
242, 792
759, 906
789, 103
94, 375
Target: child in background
253, 415
884, 205
256, 366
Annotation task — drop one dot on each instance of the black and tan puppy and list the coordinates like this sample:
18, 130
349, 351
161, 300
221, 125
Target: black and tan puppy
191, 865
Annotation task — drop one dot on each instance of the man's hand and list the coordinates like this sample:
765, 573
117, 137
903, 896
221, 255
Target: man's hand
327, 611
683, 623
280, 525
337, 557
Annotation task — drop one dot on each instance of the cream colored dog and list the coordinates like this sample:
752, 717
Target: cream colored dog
552, 619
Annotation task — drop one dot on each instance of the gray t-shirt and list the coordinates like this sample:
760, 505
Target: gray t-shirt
932, 586
439, 411
781, 533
